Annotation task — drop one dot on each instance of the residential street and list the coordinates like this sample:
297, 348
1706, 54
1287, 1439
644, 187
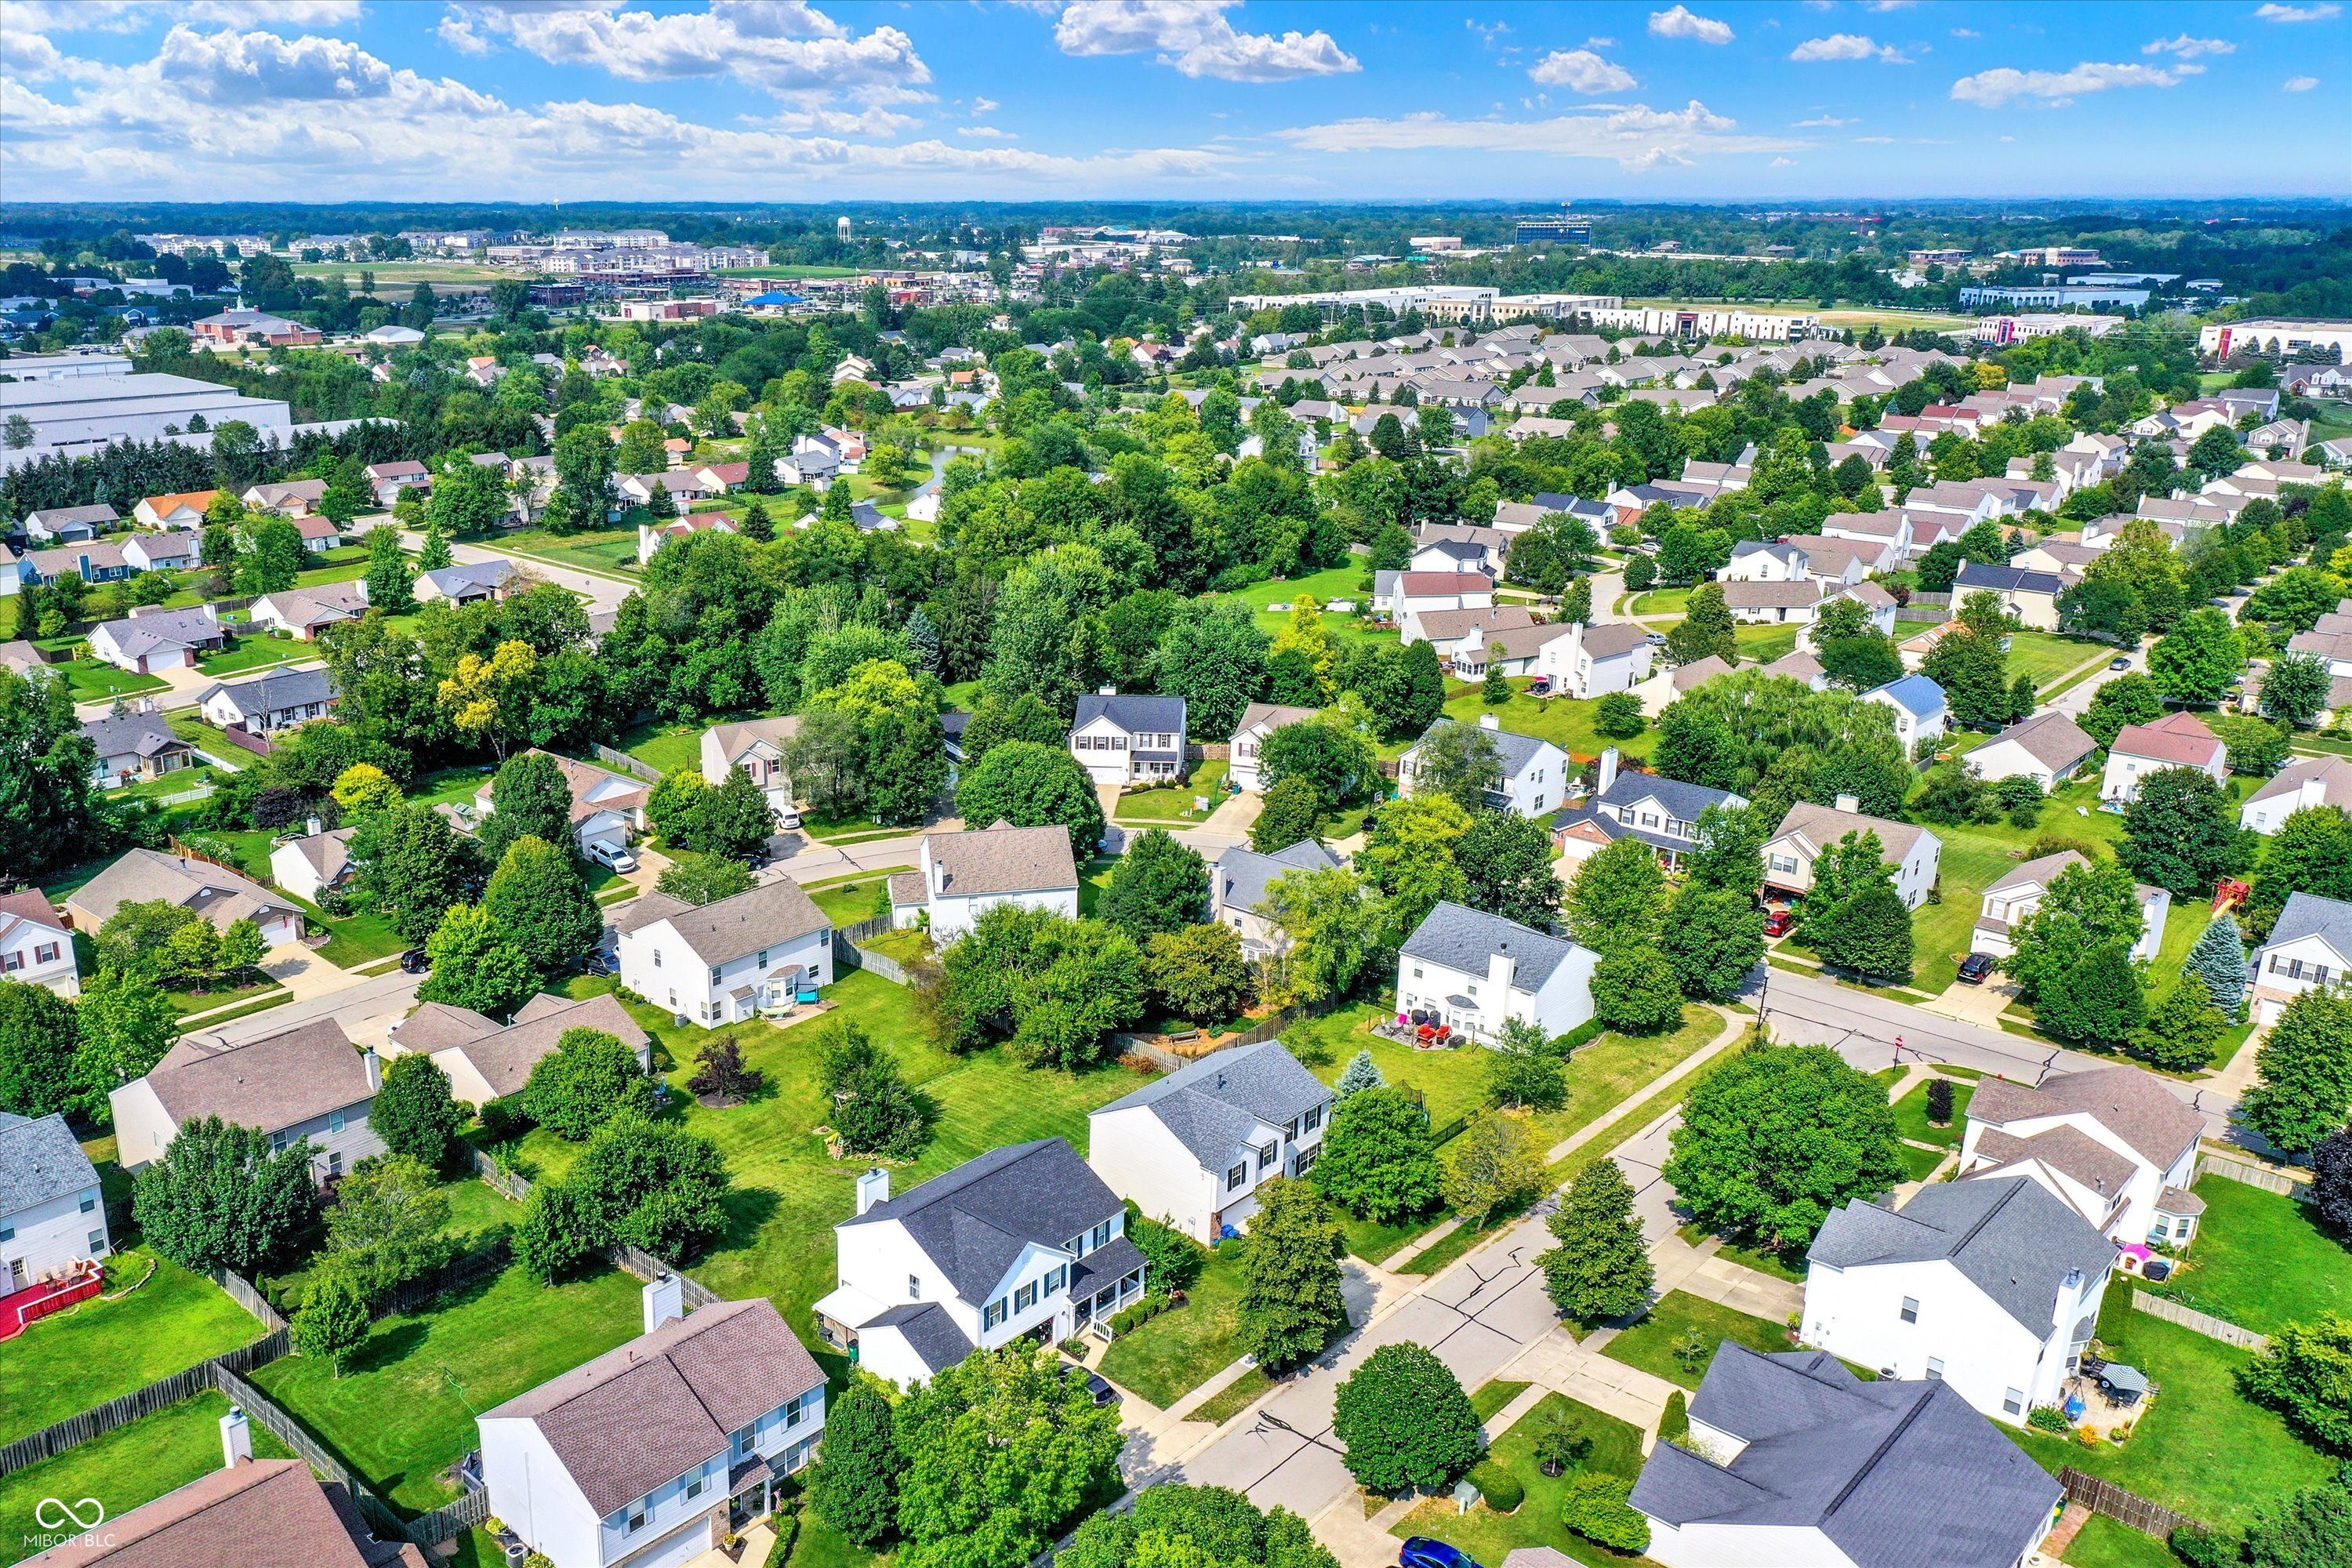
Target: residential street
366, 1010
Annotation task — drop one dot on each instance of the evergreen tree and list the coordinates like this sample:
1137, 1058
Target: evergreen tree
1577, 607
1494, 691
756, 526
433, 554
923, 642
1291, 1306
1600, 1267
1361, 1073
1423, 687
853, 1484
2219, 958
2305, 1066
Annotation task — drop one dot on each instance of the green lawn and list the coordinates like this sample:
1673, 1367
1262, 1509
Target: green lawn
1233, 1398
405, 1408
94, 680
668, 747
852, 899
611, 551
1734, 1250
1178, 1350
1566, 721
1615, 1449
2260, 1259
905, 946
2103, 1543
1650, 1344
1494, 1398
1763, 642
1174, 803
2046, 655
478, 1213
1661, 602
253, 652
447, 786
103, 1349
1919, 1165
134, 1464
179, 781
1337, 583
1911, 1115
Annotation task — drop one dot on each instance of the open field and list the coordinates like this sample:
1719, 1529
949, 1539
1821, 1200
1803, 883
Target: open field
1567, 723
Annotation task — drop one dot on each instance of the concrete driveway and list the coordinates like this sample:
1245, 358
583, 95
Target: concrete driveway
1982, 1004
2076, 700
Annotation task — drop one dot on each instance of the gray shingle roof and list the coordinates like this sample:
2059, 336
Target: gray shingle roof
1897, 1474
132, 734
1214, 1105
1243, 876
40, 1159
2006, 579
2008, 1236
2050, 738
928, 1331
1686, 801
1463, 938
2308, 914
973, 1220
1516, 751
1002, 858
1136, 715
281, 689
724, 930
271, 1083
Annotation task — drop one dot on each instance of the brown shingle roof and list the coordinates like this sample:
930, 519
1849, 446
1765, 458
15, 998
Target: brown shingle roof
1699, 672
271, 1083
505, 1057
768, 915
2133, 1105
2050, 738
2063, 1149
263, 1513
1822, 826
1003, 859
142, 876
2176, 738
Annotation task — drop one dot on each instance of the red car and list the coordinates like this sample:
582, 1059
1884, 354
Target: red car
1778, 921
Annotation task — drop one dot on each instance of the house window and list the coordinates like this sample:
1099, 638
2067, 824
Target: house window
796, 1411
96, 1243
45, 953
637, 1516
657, 958
1265, 1155
89, 1201
1935, 1368
1910, 1309
334, 1122
1024, 1298
2012, 1400
1237, 1176
1314, 1117
7, 1233
1784, 862
11, 961
993, 1314
1076, 1246
1103, 1234
1055, 1279
694, 1487
764, 958
914, 1288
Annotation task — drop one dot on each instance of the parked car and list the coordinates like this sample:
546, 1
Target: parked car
611, 856
1777, 922
755, 857
790, 821
1427, 1551
2118, 662
1976, 967
414, 962
1100, 1387
599, 963
1657, 640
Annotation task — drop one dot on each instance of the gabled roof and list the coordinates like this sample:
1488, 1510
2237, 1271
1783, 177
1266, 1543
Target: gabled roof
1699, 672
258, 1511
281, 689
455, 579
2133, 1105
1614, 640
973, 1220
1822, 826
141, 876
40, 1159
2006, 579
132, 734
138, 634
928, 1329
1002, 858
1686, 801
2067, 1150
2050, 738
2177, 739
1513, 750
1136, 715
271, 1083
1915, 694
768, 915
1243, 876
1273, 715
1463, 939
2008, 1235
2308, 914
736, 738
1214, 1106
2334, 776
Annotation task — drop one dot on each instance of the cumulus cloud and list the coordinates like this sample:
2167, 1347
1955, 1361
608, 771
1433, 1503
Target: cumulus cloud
1636, 136
1683, 23
1199, 40
1991, 88
2299, 84
787, 47
2189, 48
1821, 122
985, 105
1581, 70
1848, 46
1782, 164
2324, 12
986, 134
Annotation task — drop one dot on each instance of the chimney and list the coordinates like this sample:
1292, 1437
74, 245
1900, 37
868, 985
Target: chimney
1608, 769
313, 826
236, 1437
873, 1187
1488, 722
1106, 691
664, 1297
1850, 804
1498, 974
374, 1065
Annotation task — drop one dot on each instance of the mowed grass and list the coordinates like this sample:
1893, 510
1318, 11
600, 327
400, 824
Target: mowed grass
94, 680
2046, 655
1180, 1350
1650, 1344
854, 900
1613, 1448
103, 1349
668, 747
1174, 803
2103, 1543
1567, 723
2260, 1259
1911, 1115
404, 1408
133, 1465
1335, 582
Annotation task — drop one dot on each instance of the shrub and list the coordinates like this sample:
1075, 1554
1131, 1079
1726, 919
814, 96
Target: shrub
1674, 1425
1619, 714
1503, 1491
721, 1074
1596, 1509
2047, 1418
1175, 1259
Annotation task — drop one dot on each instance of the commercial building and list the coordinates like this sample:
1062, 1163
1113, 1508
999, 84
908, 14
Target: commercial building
77, 412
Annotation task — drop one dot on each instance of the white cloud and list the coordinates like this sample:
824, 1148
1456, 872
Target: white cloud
1991, 88
985, 106
986, 134
1598, 42
1966, 33
2299, 84
1198, 40
1848, 46
1876, 141
1821, 122
1781, 164
787, 47
1581, 70
129, 15
2327, 11
1683, 23
2189, 48
1636, 136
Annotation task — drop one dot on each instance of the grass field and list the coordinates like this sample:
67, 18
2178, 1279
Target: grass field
1650, 1344
856, 899
253, 652
1911, 1116
2260, 1259
606, 551
1178, 1350
2045, 655
1174, 803
668, 747
1567, 723
1335, 582
134, 1464
1613, 1448
1761, 643
103, 1349
2103, 1543
94, 680
1495, 1397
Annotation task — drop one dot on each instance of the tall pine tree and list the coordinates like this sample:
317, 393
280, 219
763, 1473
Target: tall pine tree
1600, 1268
2219, 958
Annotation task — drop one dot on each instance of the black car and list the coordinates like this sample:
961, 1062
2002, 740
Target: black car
598, 963
1100, 1387
755, 858
1975, 967
414, 962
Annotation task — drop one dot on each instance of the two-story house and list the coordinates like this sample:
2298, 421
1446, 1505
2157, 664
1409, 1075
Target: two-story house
2021, 889
2048, 748
1238, 880
1022, 1242
1534, 772
52, 1216
1192, 1149
270, 702
652, 1454
1398, 594
1992, 1286
182, 509
306, 1081
1128, 740
757, 747
389, 479
2310, 946
1920, 713
35, 946
2114, 1143
2032, 596
1258, 721
2318, 781
247, 1511
724, 961
959, 876
1662, 813
607, 808
2175, 740
134, 746
1809, 831
315, 862
1472, 970
487, 1060
1593, 662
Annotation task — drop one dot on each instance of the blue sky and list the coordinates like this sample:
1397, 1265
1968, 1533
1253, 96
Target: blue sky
1031, 99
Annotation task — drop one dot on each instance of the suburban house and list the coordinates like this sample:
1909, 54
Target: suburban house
2175, 740
249, 1509
2320, 781
606, 807
1460, 547
306, 1081
35, 946
1401, 594
1991, 1287
269, 702
1527, 973
2309, 947
1190, 1149
185, 509
69, 524
1662, 813
1919, 711
2022, 888
1792, 1458
287, 497
157, 640
216, 892
390, 479
1238, 880
476, 583
726, 961
1534, 772
1022, 1242
757, 747
1810, 831
1128, 740
652, 536
658, 1450
487, 1060
1800, 665
1697, 673
1259, 720
134, 746
306, 612
959, 876
1593, 662
2048, 748
310, 865
2032, 596
2114, 1142
52, 1216
1464, 635
319, 535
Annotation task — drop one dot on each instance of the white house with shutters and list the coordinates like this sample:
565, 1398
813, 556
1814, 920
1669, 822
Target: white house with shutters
1471, 971
2116, 1144
728, 961
35, 947
1192, 1149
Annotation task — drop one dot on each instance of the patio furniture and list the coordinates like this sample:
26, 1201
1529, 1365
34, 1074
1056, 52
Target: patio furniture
2124, 1384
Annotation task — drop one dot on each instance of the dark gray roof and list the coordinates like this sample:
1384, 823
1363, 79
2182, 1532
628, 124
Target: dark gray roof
1686, 801
130, 734
928, 1331
1155, 715
1897, 1474
1463, 938
40, 1159
1243, 876
974, 1220
2008, 1235
279, 688
1514, 750
66, 516
1106, 1266
2308, 914
2010, 579
1214, 1105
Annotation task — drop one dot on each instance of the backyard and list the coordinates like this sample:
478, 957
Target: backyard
1613, 1448
1650, 1344
134, 1464
668, 747
1567, 723
1334, 583
852, 899
2260, 1259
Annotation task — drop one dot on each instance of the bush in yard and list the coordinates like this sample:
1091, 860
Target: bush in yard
1291, 1306
38, 1031
584, 1083
1674, 1427
1599, 1266
2098, 1001
1619, 715
220, 1197
1158, 886
1197, 973
719, 1073
1052, 988
2305, 1376
2331, 1181
1596, 1509
874, 1111
1635, 990
556, 1235
1289, 811
474, 965
2306, 1071
333, 1321
1502, 1489
2306, 1529
1360, 1074
1175, 1259
1525, 1074
2183, 1029
413, 1112
1406, 1421
703, 878
2047, 1418
1939, 1101
1496, 1164
1378, 1162
654, 1185
385, 1227
1179, 1524
853, 1484
2204, 1549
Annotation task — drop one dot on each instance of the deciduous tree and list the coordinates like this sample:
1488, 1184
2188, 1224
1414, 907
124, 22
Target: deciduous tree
413, 1112
1378, 1161
220, 1197
1406, 1421
1599, 1266
2305, 1069
1777, 1137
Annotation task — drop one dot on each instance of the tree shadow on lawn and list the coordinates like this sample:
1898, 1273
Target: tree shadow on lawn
748, 1211
388, 1347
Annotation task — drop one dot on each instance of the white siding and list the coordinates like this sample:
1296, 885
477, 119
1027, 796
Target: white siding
43, 1241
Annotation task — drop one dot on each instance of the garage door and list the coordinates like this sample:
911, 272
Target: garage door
689, 1543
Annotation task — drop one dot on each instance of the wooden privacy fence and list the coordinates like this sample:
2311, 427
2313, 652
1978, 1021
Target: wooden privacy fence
241, 1291
878, 925
881, 965
504, 1183
1172, 1057
2125, 1508
632, 1259
100, 1419
2212, 1165
453, 1520
384, 1524
411, 1294
628, 765
2195, 1322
